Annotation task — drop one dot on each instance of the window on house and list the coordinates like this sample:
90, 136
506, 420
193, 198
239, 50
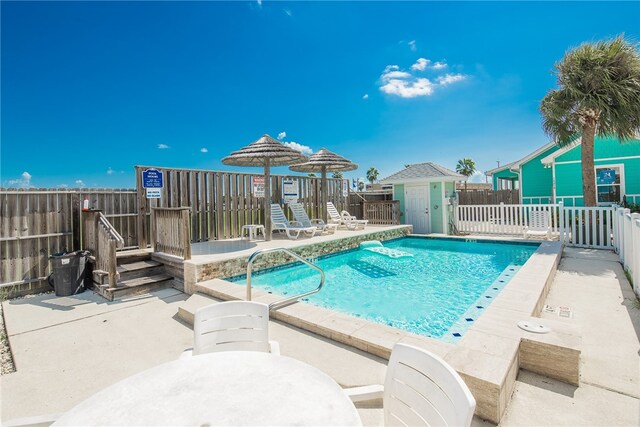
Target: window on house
608, 184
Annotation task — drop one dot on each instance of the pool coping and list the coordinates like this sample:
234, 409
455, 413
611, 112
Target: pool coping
489, 354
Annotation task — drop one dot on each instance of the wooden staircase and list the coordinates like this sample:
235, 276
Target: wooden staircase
138, 274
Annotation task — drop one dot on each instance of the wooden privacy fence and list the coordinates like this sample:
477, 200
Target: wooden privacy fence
502, 218
38, 222
222, 202
170, 233
488, 197
383, 212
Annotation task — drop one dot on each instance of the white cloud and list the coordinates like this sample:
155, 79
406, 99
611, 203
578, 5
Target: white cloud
24, 181
110, 171
395, 81
365, 96
80, 183
421, 64
287, 12
448, 79
204, 150
412, 45
162, 146
477, 177
299, 147
63, 186
282, 135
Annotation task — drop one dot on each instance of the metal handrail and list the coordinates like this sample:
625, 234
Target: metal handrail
282, 303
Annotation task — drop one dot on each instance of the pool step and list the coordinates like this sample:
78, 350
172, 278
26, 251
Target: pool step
187, 309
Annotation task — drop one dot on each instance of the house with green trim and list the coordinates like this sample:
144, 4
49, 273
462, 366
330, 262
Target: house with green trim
553, 174
425, 191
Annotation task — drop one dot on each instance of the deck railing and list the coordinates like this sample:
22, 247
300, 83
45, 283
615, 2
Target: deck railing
101, 239
170, 231
382, 212
626, 241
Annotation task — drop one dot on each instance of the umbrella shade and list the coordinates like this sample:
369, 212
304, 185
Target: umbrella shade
265, 152
325, 161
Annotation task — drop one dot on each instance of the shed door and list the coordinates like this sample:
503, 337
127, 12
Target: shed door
417, 208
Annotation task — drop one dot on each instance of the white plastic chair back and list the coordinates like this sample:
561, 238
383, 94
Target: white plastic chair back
333, 212
538, 221
231, 326
300, 214
421, 389
277, 215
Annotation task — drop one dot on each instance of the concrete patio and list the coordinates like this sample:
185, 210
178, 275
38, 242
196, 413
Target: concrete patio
66, 349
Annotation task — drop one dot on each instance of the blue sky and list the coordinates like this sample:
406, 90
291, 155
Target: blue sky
90, 89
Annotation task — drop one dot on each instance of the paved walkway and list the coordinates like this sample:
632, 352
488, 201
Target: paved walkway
66, 349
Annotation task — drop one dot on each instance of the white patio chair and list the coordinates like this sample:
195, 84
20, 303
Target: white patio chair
344, 218
539, 224
420, 389
279, 222
232, 326
300, 214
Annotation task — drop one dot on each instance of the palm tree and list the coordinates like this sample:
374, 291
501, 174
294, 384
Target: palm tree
311, 175
372, 175
337, 175
466, 167
599, 93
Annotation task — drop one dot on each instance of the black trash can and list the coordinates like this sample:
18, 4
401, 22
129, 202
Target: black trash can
68, 273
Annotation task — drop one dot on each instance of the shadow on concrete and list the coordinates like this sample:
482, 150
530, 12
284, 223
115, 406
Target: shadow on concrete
546, 383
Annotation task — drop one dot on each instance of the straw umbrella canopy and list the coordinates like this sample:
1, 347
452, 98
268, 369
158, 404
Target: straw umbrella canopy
265, 152
325, 161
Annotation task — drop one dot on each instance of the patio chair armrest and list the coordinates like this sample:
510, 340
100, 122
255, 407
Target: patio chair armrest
363, 393
347, 215
274, 347
186, 354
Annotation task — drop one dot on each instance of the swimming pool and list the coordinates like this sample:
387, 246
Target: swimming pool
439, 292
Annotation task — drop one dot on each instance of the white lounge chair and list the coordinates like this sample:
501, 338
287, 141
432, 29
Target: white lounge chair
539, 224
420, 389
232, 326
301, 216
279, 222
344, 218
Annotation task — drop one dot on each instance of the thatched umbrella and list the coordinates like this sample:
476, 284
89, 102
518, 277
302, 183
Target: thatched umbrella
325, 161
265, 152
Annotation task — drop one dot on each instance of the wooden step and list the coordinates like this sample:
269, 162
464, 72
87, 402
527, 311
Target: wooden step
139, 269
132, 256
134, 286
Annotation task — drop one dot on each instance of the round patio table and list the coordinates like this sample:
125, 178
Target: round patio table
225, 388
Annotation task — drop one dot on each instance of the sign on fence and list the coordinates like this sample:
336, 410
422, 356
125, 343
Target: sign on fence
290, 190
152, 178
154, 193
345, 188
257, 185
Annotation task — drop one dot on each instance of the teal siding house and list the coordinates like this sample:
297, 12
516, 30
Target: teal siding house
553, 174
425, 191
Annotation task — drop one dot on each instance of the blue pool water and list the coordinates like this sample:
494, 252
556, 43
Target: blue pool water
439, 292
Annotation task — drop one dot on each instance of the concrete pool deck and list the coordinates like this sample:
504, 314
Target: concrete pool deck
66, 349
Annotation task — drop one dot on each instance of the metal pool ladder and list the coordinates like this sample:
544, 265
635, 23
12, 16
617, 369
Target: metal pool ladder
282, 303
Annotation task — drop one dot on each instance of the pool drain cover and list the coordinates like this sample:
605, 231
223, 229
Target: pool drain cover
534, 327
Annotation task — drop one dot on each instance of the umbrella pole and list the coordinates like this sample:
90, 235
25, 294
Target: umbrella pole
267, 199
325, 190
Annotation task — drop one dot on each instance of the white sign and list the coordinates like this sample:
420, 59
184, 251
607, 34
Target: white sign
258, 186
345, 188
153, 193
290, 190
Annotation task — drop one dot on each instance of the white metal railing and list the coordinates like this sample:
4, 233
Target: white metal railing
626, 231
502, 219
287, 301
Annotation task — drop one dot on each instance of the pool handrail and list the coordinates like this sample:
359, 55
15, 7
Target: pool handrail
287, 301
